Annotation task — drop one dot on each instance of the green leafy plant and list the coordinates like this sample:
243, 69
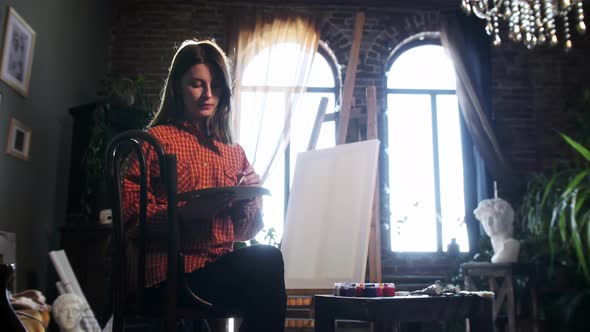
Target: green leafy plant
555, 234
570, 216
270, 238
557, 210
122, 106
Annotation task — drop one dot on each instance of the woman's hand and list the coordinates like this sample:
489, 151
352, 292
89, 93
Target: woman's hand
249, 178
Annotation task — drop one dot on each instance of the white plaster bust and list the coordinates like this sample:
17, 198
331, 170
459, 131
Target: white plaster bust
497, 218
67, 310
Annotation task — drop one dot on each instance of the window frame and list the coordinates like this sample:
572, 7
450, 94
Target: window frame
401, 262
324, 51
330, 58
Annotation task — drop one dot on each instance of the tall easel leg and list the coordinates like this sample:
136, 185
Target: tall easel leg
375, 273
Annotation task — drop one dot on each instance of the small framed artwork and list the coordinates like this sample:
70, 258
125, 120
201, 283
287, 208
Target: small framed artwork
19, 140
17, 52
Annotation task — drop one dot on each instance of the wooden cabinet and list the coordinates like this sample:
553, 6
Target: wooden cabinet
81, 194
94, 125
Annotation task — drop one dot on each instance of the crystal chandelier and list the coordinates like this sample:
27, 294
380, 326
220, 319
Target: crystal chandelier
532, 22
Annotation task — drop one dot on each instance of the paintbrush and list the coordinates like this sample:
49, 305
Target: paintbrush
242, 178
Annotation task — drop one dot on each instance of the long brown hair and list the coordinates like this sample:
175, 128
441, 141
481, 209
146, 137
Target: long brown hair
171, 108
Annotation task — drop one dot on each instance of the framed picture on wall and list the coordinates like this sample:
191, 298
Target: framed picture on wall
19, 140
17, 52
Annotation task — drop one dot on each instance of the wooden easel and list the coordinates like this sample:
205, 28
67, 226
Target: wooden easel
374, 255
300, 304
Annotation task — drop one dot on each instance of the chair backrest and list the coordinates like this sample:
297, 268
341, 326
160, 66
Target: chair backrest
121, 146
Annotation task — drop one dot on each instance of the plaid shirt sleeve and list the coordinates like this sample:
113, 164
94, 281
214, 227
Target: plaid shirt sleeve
156, 209
198, 167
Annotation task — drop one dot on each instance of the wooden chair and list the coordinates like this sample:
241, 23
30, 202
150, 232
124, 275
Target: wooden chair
180, 301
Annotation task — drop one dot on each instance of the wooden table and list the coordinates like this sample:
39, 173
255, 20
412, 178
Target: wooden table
387, 312
499, 277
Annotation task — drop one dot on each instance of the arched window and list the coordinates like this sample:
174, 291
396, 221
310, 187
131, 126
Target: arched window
426, 180
322, 82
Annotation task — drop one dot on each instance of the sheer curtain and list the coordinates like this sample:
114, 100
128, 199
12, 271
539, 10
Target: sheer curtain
273, 60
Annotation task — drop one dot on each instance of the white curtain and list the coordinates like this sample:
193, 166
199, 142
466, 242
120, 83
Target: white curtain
273, 60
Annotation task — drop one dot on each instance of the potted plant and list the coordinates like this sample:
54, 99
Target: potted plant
555, 232
122, 106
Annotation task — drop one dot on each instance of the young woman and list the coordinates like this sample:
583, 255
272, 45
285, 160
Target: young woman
193, 122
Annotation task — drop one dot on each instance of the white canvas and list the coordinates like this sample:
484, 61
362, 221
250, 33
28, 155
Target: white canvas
328, 219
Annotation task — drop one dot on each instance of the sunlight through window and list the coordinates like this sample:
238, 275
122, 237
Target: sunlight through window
272, 69
427, 202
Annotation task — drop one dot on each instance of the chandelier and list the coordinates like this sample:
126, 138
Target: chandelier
532, 22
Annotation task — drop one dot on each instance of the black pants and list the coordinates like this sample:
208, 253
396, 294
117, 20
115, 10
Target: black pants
248, 282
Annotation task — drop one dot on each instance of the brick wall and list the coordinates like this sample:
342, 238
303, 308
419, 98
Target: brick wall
144, 33
533, 91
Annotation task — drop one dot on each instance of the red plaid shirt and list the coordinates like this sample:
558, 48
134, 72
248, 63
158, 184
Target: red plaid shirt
197, 167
